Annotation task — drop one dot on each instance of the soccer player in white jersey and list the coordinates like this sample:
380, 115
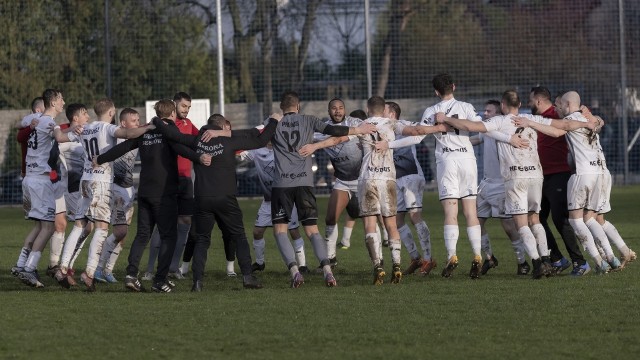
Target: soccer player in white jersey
37, 188
263, 160
587, 189
123, 195
491, 196
95, 205
410, 184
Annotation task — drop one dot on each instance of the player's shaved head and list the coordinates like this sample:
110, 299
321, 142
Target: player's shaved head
570, 102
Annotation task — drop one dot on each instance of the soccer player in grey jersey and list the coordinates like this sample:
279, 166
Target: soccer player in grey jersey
293, 182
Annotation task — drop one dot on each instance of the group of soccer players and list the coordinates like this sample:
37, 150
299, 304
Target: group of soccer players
73, 171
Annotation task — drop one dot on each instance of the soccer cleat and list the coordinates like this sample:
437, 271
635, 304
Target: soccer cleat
147, 276
632, 255
51, 270
176, 275
161, 286
297, 280
231, 273
427, 266
523, 269
257, 267
88, 281
547, 267
378, 275
304, 270
30, 278
109, 277
413, 266
489, 264
333, 262
70, 278
539, 269
396, 274
452, 264
251, 282
603, 268
385, 243
579, 270
99, 276
16, 270
132, 283
474, 273
615, 264
197, 286
559, 266
342, 246
62, 279
330, 280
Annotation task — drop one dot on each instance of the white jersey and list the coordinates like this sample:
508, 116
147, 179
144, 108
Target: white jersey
378, 165
405, 158
453, 144
585, 148
39, 146
265, 166
26, 121
96, 138
490, 158
72, 159
517, 163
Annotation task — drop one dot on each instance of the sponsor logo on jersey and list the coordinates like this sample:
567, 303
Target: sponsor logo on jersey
447, 149
379, 169
522, 168
293, 176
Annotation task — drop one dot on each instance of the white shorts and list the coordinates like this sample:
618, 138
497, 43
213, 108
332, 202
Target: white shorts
263, 218
588, 192
491, 200
377, 197
60, 189
122, 204
605, 206
73, 201
457, 179
348, 186
409, 192
38, 198
523, 196
95, 204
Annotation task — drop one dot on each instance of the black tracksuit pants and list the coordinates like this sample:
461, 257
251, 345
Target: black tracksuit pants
226, 212
554, 200
163, 213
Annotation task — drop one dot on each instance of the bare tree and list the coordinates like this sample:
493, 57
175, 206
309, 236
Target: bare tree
269, 34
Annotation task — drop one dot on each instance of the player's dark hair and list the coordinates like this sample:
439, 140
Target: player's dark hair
164, 108
49, 95
493, 102
73, 109
335, 99
359, 114
37, 102
511, 99
393, 106
102, 106
181, 95
217, 120
375, 104
127, 111
443, 83
289, 100
541, 92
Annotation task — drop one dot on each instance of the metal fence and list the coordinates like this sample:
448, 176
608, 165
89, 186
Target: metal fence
133, 51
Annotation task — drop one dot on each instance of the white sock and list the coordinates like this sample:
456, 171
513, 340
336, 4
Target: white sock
541, 239
424, 236
78, 249
394, 245
451, 233
407, 240
475, 239
111, 263
372, 241
331, 236
529, 242
56, 243
518, 250
601, 250
22, 258
346, 236
586, 239
95, 249
184, 268
600, 237
107, 248
70, 247
615, 238
258, 249
298, 247
230, 267
32, 261
294, 269
486, 246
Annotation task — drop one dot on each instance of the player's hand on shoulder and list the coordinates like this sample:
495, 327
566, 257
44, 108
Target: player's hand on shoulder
518, 142
366, 128
440, 118
276, 116
34, 123
307, 150
520, 121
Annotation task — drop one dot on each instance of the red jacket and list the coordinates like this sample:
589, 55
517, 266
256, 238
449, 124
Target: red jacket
553, 152
186, 127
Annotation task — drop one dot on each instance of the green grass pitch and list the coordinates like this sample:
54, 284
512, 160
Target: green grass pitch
501, 315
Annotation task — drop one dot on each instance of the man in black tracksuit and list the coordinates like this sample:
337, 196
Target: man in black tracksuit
157, 195
215, 191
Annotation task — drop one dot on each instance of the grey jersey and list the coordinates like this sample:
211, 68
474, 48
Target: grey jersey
405, 157
263, 159
71, 164
293, 132
346, 157
123, 168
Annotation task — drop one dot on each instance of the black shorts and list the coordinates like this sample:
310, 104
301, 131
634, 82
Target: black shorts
283, 200
186, 203
353, 207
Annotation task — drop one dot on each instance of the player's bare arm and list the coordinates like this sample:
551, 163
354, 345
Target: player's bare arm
330, 141
130, 133
545, 129
362, 129
418, 130
461, 124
